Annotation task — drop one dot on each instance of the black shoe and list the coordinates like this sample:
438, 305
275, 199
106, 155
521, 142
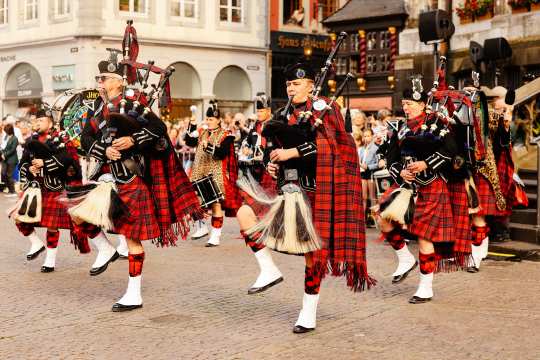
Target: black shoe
46, 269
99, 270
121, 308
211, 245
299, 329
122, 257
36, 254
399, 278
418, 300
473, 269
256, 290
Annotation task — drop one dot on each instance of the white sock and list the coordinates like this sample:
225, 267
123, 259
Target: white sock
50, 257
133, 292
425, 286
485, 247
406, 260
215, 235
308, 315
122, 247
476, 255
104, 248
35, 243
268, 270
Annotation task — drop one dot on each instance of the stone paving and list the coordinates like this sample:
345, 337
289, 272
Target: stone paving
196, 307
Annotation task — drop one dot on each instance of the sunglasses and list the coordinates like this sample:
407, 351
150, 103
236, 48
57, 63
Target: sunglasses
102, 78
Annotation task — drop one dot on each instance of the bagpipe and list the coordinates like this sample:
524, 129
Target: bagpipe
288, 225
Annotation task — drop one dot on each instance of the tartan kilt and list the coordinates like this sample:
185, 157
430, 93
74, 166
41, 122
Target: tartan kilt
488, 205
462, 219
140, 223
269, 185
54, 214
433, 220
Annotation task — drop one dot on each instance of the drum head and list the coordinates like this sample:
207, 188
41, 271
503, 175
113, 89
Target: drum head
74, 108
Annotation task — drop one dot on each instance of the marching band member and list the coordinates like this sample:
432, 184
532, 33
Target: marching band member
46, 168
215, 161
324, 165
418, 159
253, 168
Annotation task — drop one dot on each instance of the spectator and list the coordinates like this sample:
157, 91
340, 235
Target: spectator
367, 155
10, 159
359, 121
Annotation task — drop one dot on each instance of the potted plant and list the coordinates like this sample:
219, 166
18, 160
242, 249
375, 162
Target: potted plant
519, 6
535, 5
465, 12
484, 10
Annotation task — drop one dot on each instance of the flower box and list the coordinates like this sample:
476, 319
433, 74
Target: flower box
519, 10
535, 6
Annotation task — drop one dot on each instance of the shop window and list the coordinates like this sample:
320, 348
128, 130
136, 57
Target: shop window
134, 7
232, 11
185, 9
30, 10
378, 59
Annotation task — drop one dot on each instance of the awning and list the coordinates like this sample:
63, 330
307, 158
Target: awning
527, 91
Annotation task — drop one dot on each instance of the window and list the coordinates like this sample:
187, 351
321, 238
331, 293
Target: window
30, 10
185, 9
293, 13
3, 12
61, 8
231, 11
341, 66
135, 7
378, 57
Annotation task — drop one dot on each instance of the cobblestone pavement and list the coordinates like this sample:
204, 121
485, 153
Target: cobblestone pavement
196, 307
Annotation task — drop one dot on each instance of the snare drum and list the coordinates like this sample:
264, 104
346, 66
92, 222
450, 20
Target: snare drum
207, 191
383, 180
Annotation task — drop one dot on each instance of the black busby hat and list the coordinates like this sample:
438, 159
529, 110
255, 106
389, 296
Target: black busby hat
300, 70
416, 92
262, 101
213, 110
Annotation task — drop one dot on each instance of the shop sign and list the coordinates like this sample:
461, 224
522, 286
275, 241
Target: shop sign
7, 58
294, 42
63, 77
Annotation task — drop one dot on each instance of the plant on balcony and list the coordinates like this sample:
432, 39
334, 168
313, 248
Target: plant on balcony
466, 11
484, 10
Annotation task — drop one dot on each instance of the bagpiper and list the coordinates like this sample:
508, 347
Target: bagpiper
319, 185
46, 167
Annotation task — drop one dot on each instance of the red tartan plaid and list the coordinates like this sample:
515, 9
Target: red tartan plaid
488, 205
176, 203
53, 213
505, 170
337, 204
141, 223
462, 221
233, 200
433, 219
269, 185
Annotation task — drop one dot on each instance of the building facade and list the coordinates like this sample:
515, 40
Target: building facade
297, 31
218, 47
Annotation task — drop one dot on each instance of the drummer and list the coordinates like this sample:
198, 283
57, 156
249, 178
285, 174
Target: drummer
215, 161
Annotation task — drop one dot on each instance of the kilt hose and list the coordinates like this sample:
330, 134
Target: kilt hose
140, 223
486, 195
462, 223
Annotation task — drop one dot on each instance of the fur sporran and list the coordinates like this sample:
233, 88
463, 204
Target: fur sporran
30, 205
400, 206
288, 226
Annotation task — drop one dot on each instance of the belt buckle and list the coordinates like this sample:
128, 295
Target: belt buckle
291, 175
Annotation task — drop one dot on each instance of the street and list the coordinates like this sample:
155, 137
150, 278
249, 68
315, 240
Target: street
196, 307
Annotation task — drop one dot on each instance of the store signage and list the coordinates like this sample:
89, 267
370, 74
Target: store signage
7, 58
297, 42
253, 67
23, 81
63, 77
404, 64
